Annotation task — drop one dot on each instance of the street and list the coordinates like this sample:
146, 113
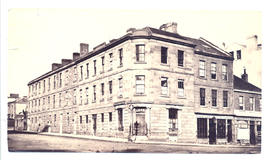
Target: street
26, 142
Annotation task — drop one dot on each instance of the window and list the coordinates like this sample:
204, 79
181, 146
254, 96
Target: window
241, 103
120, 119
202, 96
140, 53
164, 55
54, 82
102, 89
86, 95
39, 87
54, 118
120, 56
252, 104
225, 98
102, 117
48, 102
180, 58
202, 69
102, 63
110, 116
87, 70
180, 87
67, 78
80, 119
60, 96
232, 53
238, 52
221, 128
164, 85
43, 101
173, 125
201, 127
53, 101
94, 93
81, 72
95, 67
86, 118
75, 74
214, 97
80, 96
111, 60
74, 97
110, 87
44, 86
213, 71
60, 80
140, 84
224, 72
120, 86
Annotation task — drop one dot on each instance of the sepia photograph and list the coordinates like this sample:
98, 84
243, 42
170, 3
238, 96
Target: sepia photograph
84, 80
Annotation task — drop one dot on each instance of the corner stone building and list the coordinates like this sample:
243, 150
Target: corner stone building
152, 84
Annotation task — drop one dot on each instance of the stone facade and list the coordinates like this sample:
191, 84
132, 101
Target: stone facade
144, 85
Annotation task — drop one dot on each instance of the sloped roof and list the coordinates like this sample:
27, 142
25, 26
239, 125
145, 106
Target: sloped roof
241, 84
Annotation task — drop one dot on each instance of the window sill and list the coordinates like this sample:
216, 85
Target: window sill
138, 94
164, 64
120, 66
181, 97
214, 107
110, 69
120, 96
204, 78
140, 62
214, 79
93, 101
165, 96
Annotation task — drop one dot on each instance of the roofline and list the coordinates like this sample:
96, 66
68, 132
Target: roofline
246, 91
214, 56
214, 46
107, 47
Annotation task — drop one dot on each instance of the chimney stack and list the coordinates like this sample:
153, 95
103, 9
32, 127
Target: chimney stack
83, 49
66, 61
169, 27
55, 66
76, 56
245, 75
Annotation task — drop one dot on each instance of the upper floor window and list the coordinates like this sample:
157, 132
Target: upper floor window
54, 82
140, 53
87, 70
67, 78
120, 86
60, 99
102, 89
110, 116
49, 84
164, 55
74, 97
86, 118
81, 72
214, 97
252, 104
140, 84
202, 96
111, 60
80, 119
60, 79
102, 63
164, 85
224, 72
53, 101
232, 53
241, 102
95, 67
202, 68
80, 96
213, 71
44, 86
180, 87
110, 87
120, 56
86, 95
238, 52
74, 74
94, 93
102, 117
180, 58
225, 98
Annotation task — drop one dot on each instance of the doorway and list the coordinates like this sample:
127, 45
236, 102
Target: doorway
229, 129
140, 127
252, 133
94, 123
212, 131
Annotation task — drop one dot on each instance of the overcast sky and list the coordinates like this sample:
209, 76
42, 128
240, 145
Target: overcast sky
39, 37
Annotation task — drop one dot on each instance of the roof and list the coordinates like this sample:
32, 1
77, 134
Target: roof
241, 84
201, 46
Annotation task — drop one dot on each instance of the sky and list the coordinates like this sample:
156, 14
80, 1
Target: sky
39, 37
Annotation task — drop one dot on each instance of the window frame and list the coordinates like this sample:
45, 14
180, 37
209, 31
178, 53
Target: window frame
214, 94
202, 69
202, 128
213, 71
140, 56
202, 96
181, 90
140, 84
164, 86
164, 55
224, 72
180, 58
225, 98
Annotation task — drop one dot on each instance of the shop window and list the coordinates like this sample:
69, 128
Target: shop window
120, 119
201, 127
221, 128
173, 126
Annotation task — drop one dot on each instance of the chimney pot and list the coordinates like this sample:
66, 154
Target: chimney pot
245, 76
83, 48
76, 56
169, 27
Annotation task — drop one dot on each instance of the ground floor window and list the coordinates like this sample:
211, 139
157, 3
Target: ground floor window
201, 127
221, 128
120, 119
173, 120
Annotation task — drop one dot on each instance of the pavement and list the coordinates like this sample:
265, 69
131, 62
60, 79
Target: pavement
138, 141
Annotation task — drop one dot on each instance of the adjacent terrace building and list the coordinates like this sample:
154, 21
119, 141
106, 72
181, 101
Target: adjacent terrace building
152, 84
